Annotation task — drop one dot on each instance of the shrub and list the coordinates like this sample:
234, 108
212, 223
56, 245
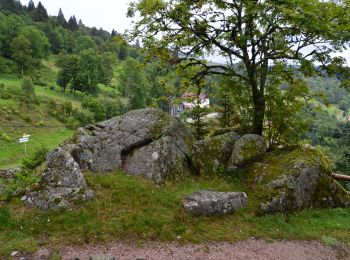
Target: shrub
27, 86
67, 108
83, 116
96, 107
36, 159
5, 137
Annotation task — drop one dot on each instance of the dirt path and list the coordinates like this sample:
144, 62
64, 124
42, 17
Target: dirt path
249, 249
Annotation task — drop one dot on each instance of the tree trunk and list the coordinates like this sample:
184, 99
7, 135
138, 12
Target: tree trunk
259, 111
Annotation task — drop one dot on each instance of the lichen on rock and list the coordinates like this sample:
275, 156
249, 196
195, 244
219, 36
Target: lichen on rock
61, 183
247, 148
211, 155
209, 203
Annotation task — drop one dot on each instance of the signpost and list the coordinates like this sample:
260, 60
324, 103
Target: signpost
24, 139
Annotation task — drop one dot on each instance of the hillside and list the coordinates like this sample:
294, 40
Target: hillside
108, 163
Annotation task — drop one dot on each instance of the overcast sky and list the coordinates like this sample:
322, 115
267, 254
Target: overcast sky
108, 14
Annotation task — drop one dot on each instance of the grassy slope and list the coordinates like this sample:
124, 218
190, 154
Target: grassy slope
129, 208
11, 153
17, 114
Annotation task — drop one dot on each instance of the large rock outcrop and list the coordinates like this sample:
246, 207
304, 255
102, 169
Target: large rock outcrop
147, 143
289, 181
211, 155
61, 183
209, 203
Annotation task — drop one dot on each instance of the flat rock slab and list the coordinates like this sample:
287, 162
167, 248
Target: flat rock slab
209, 203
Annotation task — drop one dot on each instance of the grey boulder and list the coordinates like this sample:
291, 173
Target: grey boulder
146, 142
247, 148
211, 155
61, 183
295, 180
209, 203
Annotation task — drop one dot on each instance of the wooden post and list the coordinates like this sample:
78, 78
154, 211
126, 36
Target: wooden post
340, 177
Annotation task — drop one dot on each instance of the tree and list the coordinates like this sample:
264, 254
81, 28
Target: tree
10, 6
38, 42
9, 29
85, 71
68, 65
84, 42
61, 20
114, 33
72, 24
134, 84
22, 52
255, 34
31, 6
40, 14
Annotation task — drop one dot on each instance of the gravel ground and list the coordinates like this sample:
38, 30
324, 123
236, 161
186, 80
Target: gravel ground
249, 249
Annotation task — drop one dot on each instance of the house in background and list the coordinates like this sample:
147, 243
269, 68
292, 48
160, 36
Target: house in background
190, 101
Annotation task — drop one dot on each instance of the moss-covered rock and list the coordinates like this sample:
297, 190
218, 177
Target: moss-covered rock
247, 148
61, 183
294, 180
211, 155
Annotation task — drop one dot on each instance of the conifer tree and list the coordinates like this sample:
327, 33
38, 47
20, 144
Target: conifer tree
114, 33
40, 14
72, 23
8, 6
61, 20
31, 6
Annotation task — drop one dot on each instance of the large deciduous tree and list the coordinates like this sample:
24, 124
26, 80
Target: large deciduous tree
256, 34
22, 52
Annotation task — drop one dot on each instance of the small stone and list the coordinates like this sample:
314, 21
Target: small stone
24, 198
14, 253
208, 203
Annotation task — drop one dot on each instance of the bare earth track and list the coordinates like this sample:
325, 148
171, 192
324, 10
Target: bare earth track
249, 249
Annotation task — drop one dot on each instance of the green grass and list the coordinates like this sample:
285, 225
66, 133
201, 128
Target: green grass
129, 208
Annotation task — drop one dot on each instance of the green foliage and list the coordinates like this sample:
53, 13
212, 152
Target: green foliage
84, 117
40, 13
96, 107
22, 52
36, 159
261, 33
285, 100
134, 84
27, 87
84, 42
38, 41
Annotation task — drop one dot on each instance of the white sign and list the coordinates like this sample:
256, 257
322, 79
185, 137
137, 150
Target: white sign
24, 139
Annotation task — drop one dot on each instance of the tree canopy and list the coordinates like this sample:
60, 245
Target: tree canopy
253, 37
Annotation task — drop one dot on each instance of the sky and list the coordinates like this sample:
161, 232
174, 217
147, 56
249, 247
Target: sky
108, 14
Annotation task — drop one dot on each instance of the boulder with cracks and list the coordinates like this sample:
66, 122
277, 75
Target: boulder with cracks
61, 183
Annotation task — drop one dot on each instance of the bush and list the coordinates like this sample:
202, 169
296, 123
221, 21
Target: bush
5, 137
83, 116
96, 107
38, 157
28, 92
27, 86
67, 108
